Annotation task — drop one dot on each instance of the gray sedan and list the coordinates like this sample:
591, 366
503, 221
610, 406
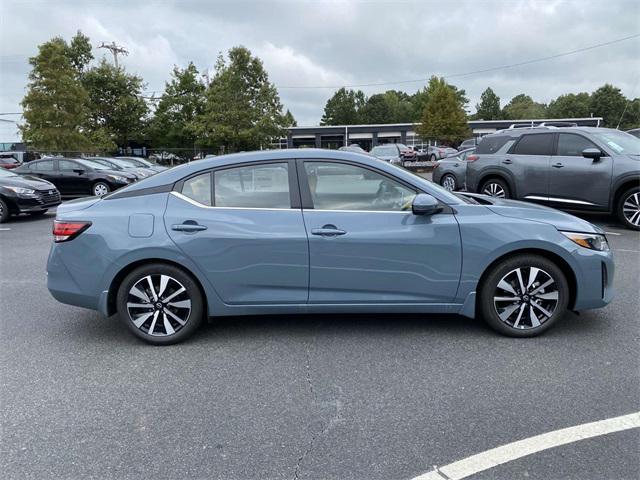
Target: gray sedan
451, 172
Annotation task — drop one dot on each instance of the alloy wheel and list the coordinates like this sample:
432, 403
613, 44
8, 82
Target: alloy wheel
100, 190
631, 209
494, 190
158, 305
526, 297
449, 183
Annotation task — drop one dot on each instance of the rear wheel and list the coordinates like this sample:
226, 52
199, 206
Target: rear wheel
4, 211
433, 157
495, 187
449, 183
161, 304
524, 296
100, 189
628, 208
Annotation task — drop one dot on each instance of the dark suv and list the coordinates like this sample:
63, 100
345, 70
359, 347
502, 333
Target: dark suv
576, 168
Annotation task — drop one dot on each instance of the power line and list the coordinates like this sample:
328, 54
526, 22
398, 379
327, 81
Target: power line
457, 75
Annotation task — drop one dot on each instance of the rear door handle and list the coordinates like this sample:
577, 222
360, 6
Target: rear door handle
188, 226
557, 165
507, 162
328, 231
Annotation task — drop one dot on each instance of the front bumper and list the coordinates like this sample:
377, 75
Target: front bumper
41, 200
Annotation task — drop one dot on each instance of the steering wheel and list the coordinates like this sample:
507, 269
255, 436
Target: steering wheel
388, 195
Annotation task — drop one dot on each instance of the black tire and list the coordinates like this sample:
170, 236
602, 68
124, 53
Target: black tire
632, 200
497, 184
4, 211
162, 335
100, 186
433, 157
452, 179
38, 213
519, 323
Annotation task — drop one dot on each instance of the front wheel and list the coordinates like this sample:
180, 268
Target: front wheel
628, 208
524, 296
4, 211
161, 304
100, 189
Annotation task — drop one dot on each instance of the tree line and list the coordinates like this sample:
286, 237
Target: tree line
75, 104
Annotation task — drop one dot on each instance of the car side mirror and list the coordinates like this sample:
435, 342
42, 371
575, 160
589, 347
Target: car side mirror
79, 171
593, 153
425, 204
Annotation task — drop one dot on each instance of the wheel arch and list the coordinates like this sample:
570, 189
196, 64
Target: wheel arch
566, 269
499, 176
625, 185
119, 277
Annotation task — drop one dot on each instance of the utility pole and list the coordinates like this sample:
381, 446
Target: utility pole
115, 50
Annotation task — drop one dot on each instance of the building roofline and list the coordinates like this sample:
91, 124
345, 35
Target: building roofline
527, 120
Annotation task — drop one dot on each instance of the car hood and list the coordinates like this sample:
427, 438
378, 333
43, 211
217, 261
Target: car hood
120, 173
537, 213
26, 181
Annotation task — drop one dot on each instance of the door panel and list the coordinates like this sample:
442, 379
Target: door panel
366, 246
576, 181
383, 257
528, 162
72, 182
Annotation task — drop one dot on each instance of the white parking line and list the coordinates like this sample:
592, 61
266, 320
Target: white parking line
512, 451
625, 250
5, 229
612, 233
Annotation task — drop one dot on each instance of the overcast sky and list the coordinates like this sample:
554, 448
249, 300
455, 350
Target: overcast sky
332, 43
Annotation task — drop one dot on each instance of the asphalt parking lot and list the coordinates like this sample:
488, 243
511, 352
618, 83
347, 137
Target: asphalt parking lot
316, 397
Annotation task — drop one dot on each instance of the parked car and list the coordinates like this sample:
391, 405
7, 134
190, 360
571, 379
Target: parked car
144, 163
75, 176
468, 143
389, 152
124, 165
433, 153
8, 162
354, 147
451, 172
23, 194
576, 168
310, 230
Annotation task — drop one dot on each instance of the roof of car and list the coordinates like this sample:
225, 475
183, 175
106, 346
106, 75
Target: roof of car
516, 132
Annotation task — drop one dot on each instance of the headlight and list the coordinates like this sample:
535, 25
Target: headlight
118, 178
22, 191
592, 241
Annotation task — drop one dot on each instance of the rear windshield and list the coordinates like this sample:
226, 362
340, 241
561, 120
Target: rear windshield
491, 144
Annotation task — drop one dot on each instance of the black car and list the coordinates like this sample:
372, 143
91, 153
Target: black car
144, 163
24, 194
122, 164
76, 177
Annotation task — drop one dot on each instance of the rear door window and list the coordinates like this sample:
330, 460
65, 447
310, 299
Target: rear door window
534, 144
44, 166
198, 188
491, 144
254, 186
572, 145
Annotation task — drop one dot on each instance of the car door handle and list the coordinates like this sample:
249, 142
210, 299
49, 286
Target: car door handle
327, 231
188, 227
456, 164
557, 165
507, 162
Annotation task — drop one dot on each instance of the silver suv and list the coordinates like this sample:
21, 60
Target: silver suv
576, 168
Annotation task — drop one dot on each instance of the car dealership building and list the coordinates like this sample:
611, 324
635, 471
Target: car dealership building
368, 136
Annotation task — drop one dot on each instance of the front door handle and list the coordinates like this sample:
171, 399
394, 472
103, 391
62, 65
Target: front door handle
328, 231
557, 165
188, 226
507, 162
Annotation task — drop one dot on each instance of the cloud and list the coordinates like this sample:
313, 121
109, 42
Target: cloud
334, 42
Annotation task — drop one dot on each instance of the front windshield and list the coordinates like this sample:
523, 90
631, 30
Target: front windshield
619, 142
121, 163
93, 164
384, 151
7, 173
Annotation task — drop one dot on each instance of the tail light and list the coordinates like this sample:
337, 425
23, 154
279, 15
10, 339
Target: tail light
472, 158
65, 231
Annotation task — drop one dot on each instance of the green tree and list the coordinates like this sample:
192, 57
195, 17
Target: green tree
443, 118
570, 105
608, 102
421, 98
489, 106
343, 108
174, 124
55, 105
523, 107
115, 103
243, 109
289, 119
79, 52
